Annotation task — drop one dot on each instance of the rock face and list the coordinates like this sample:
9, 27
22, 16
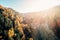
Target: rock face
44, 25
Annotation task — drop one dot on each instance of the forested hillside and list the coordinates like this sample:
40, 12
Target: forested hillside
43, 25
12, 26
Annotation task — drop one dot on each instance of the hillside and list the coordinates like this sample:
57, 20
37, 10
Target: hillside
40, 17
43, 25
40, 21
12, 26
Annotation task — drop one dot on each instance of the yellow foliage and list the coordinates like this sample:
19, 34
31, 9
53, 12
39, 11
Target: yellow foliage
11, 32
31, 39
0, 36
1, 6
20, 28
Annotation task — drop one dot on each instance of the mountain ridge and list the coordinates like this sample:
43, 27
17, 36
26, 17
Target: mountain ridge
30, 26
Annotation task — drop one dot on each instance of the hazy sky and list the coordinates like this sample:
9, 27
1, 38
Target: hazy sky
29, 5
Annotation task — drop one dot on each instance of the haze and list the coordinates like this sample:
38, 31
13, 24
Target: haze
25, 6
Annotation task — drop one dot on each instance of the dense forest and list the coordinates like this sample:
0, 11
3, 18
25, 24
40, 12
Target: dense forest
12, 26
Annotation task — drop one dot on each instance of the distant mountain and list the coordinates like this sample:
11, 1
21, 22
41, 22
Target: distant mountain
39, 17
45, 23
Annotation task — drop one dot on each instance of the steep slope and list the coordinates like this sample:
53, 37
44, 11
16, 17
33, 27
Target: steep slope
43, 25
12, 26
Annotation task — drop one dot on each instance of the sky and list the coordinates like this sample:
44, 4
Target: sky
24, 6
